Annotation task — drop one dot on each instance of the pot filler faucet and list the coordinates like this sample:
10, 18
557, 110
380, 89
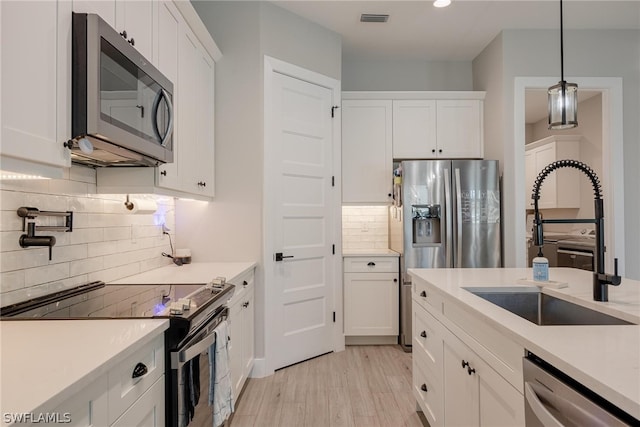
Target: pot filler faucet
600, 279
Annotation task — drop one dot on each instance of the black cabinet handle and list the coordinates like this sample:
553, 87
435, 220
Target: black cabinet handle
68, 144
245, 304
139, 370
433, 151
440, 150
424, 387
470, 370
244, 283
464, 364
423, 334
371, 264
163, 173
423, 294
395, 280
124, 34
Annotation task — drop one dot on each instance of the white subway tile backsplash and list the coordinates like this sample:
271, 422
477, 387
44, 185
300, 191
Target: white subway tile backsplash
107, 242
364, 227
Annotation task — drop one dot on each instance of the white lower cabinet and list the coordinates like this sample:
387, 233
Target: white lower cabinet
241, 332
371, 296
452, 384
117, 399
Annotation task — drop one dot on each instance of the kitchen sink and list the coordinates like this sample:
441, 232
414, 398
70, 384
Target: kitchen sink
543, 309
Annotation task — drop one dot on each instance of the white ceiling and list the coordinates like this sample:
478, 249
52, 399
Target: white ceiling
418, 30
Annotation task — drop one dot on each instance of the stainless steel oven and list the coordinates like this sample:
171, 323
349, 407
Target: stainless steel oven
188, 341
576, 254
553, 399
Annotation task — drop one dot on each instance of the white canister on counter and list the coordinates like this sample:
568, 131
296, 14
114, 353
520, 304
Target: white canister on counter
540, 269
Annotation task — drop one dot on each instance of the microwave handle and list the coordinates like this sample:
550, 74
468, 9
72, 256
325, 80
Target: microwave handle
156, 104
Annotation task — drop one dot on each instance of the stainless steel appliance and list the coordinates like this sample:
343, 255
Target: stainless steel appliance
187, 341
449, 218
554, 399
576, 252
122, 109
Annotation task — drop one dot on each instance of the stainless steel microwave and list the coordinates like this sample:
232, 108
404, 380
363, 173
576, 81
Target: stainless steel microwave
122, 106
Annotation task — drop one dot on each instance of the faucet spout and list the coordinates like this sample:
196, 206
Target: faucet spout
601, 280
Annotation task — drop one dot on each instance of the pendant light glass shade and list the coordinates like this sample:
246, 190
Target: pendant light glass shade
563, 97
563, 105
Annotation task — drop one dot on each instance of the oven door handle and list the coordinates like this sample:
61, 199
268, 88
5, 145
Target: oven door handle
537, 407
193, 350
577, 253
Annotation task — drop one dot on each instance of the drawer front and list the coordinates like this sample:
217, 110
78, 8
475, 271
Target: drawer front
427, 340
388, 264
125, 390
244, 283
427, 298
146, 411
428, 392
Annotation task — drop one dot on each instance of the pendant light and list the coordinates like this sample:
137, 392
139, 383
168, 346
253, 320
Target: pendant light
563, 97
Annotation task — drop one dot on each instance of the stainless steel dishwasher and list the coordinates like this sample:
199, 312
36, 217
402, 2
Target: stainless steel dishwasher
552, 399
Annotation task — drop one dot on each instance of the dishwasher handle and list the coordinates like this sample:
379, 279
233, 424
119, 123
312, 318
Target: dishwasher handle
538, 408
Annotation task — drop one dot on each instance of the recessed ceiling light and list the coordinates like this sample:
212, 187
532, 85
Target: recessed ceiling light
370, 17
441, 3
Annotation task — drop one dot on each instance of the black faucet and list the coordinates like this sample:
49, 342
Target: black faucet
600, 279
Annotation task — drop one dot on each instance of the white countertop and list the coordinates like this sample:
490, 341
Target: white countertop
369, 252
45, 362
194, 273
606, 359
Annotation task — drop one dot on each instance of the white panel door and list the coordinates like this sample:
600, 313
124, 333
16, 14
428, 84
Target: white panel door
303, 220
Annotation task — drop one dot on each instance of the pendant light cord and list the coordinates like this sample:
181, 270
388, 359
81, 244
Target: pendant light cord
561, 46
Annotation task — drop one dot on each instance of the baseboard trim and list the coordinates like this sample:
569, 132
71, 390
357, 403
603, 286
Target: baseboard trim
371, 340
259, 369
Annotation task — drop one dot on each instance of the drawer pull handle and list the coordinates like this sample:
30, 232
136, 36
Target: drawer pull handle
465, 364
139, 370
423, 334
371, 264
244, 283
423, 294
424, 387
470, 370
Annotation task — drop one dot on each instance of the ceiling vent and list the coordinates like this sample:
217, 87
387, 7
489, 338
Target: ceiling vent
370, 17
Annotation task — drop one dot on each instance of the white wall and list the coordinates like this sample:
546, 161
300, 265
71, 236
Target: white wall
107, 242
588, 53
230, 228
406, 75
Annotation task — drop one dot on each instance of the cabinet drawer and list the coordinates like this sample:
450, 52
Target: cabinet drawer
426, 297
244, 283
146, 411
124, 390
372, 264
428, 392
427, 340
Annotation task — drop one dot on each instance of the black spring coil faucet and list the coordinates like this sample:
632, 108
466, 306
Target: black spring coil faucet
600, 279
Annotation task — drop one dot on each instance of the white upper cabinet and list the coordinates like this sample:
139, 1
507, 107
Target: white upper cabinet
432, 129
36, 95
561, 188
366, 151
136, 19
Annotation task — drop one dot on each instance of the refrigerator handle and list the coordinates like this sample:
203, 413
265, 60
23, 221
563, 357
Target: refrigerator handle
448, 219
459, 219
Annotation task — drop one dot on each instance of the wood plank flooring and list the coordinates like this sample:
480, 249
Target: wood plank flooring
368, 386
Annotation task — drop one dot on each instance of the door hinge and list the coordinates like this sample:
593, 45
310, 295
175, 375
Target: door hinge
333, 109
334, 317
333, 249
333, 181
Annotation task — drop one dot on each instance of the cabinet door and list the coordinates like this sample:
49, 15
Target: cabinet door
544, 156
36, 112
248, 314
366, 151
205, 147
414, 129
371, 304
235, 347
461, 393
137, 18
106, 9
530, 176
88, 407
167, 61
459, 129
148, 411
501, 405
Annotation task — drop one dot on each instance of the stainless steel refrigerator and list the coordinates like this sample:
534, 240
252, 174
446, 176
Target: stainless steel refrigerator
446, 215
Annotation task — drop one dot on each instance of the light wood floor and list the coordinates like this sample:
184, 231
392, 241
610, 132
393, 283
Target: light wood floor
368, 386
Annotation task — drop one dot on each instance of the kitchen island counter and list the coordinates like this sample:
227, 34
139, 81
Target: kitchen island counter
605, 359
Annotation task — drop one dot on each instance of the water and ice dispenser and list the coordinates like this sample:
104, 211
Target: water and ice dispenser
426, 224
